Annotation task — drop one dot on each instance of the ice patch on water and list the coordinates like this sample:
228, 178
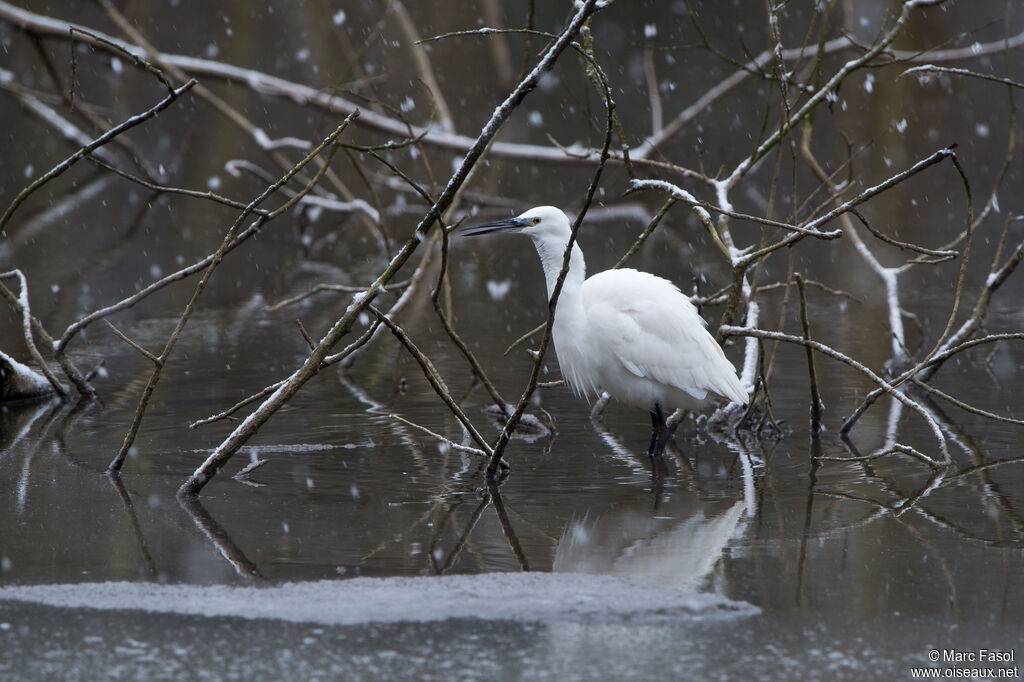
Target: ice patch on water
545, 597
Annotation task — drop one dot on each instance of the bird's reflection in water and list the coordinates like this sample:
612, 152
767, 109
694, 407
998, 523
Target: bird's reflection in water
676, 553
678, 548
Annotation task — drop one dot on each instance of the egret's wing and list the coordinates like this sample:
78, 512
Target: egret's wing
655, 332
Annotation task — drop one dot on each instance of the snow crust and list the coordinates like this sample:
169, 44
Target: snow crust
22, 382
493, 596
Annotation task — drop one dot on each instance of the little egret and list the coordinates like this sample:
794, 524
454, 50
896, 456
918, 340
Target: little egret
626, 332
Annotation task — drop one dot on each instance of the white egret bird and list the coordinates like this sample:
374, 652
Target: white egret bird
626, 332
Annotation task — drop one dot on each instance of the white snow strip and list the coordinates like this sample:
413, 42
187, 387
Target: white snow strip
281, 448
722, 192
890, 280
265, 141
332, 204
491, 596
748, 377
674, 190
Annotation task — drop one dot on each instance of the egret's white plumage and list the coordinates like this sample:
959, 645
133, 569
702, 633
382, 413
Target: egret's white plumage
630, 333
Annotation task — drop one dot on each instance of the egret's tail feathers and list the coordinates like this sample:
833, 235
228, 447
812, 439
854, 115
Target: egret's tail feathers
731, 388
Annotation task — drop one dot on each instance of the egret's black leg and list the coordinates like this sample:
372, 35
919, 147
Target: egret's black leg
651, 449
660, 432
659, 437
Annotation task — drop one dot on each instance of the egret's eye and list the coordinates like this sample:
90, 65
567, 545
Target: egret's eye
535, 221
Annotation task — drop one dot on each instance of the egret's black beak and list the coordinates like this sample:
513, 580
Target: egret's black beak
509, 224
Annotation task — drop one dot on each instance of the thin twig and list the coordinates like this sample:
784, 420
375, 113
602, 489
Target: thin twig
655, 221
263, 393
434, 378
525, 337
940, 255
433, 434
142, 351
924, 68
816, 403
964, 406
103, 139
325, 286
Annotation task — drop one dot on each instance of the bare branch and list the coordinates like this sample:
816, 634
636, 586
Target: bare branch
436, 382
883, 385
816, 402
142, 351
931, 68
92, 146
26, 329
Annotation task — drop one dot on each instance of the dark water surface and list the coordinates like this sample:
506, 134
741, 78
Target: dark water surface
857, 570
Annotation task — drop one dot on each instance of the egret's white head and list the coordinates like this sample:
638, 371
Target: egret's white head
550, 230
541, 223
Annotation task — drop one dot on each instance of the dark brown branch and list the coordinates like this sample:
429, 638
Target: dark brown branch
648, 231
142, 351
816, 403
328, 361
103, 139
434, 378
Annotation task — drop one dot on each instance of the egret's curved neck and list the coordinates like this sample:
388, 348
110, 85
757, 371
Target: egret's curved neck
551, 252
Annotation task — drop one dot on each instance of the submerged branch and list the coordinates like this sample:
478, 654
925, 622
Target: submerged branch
883, 385
434, 378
